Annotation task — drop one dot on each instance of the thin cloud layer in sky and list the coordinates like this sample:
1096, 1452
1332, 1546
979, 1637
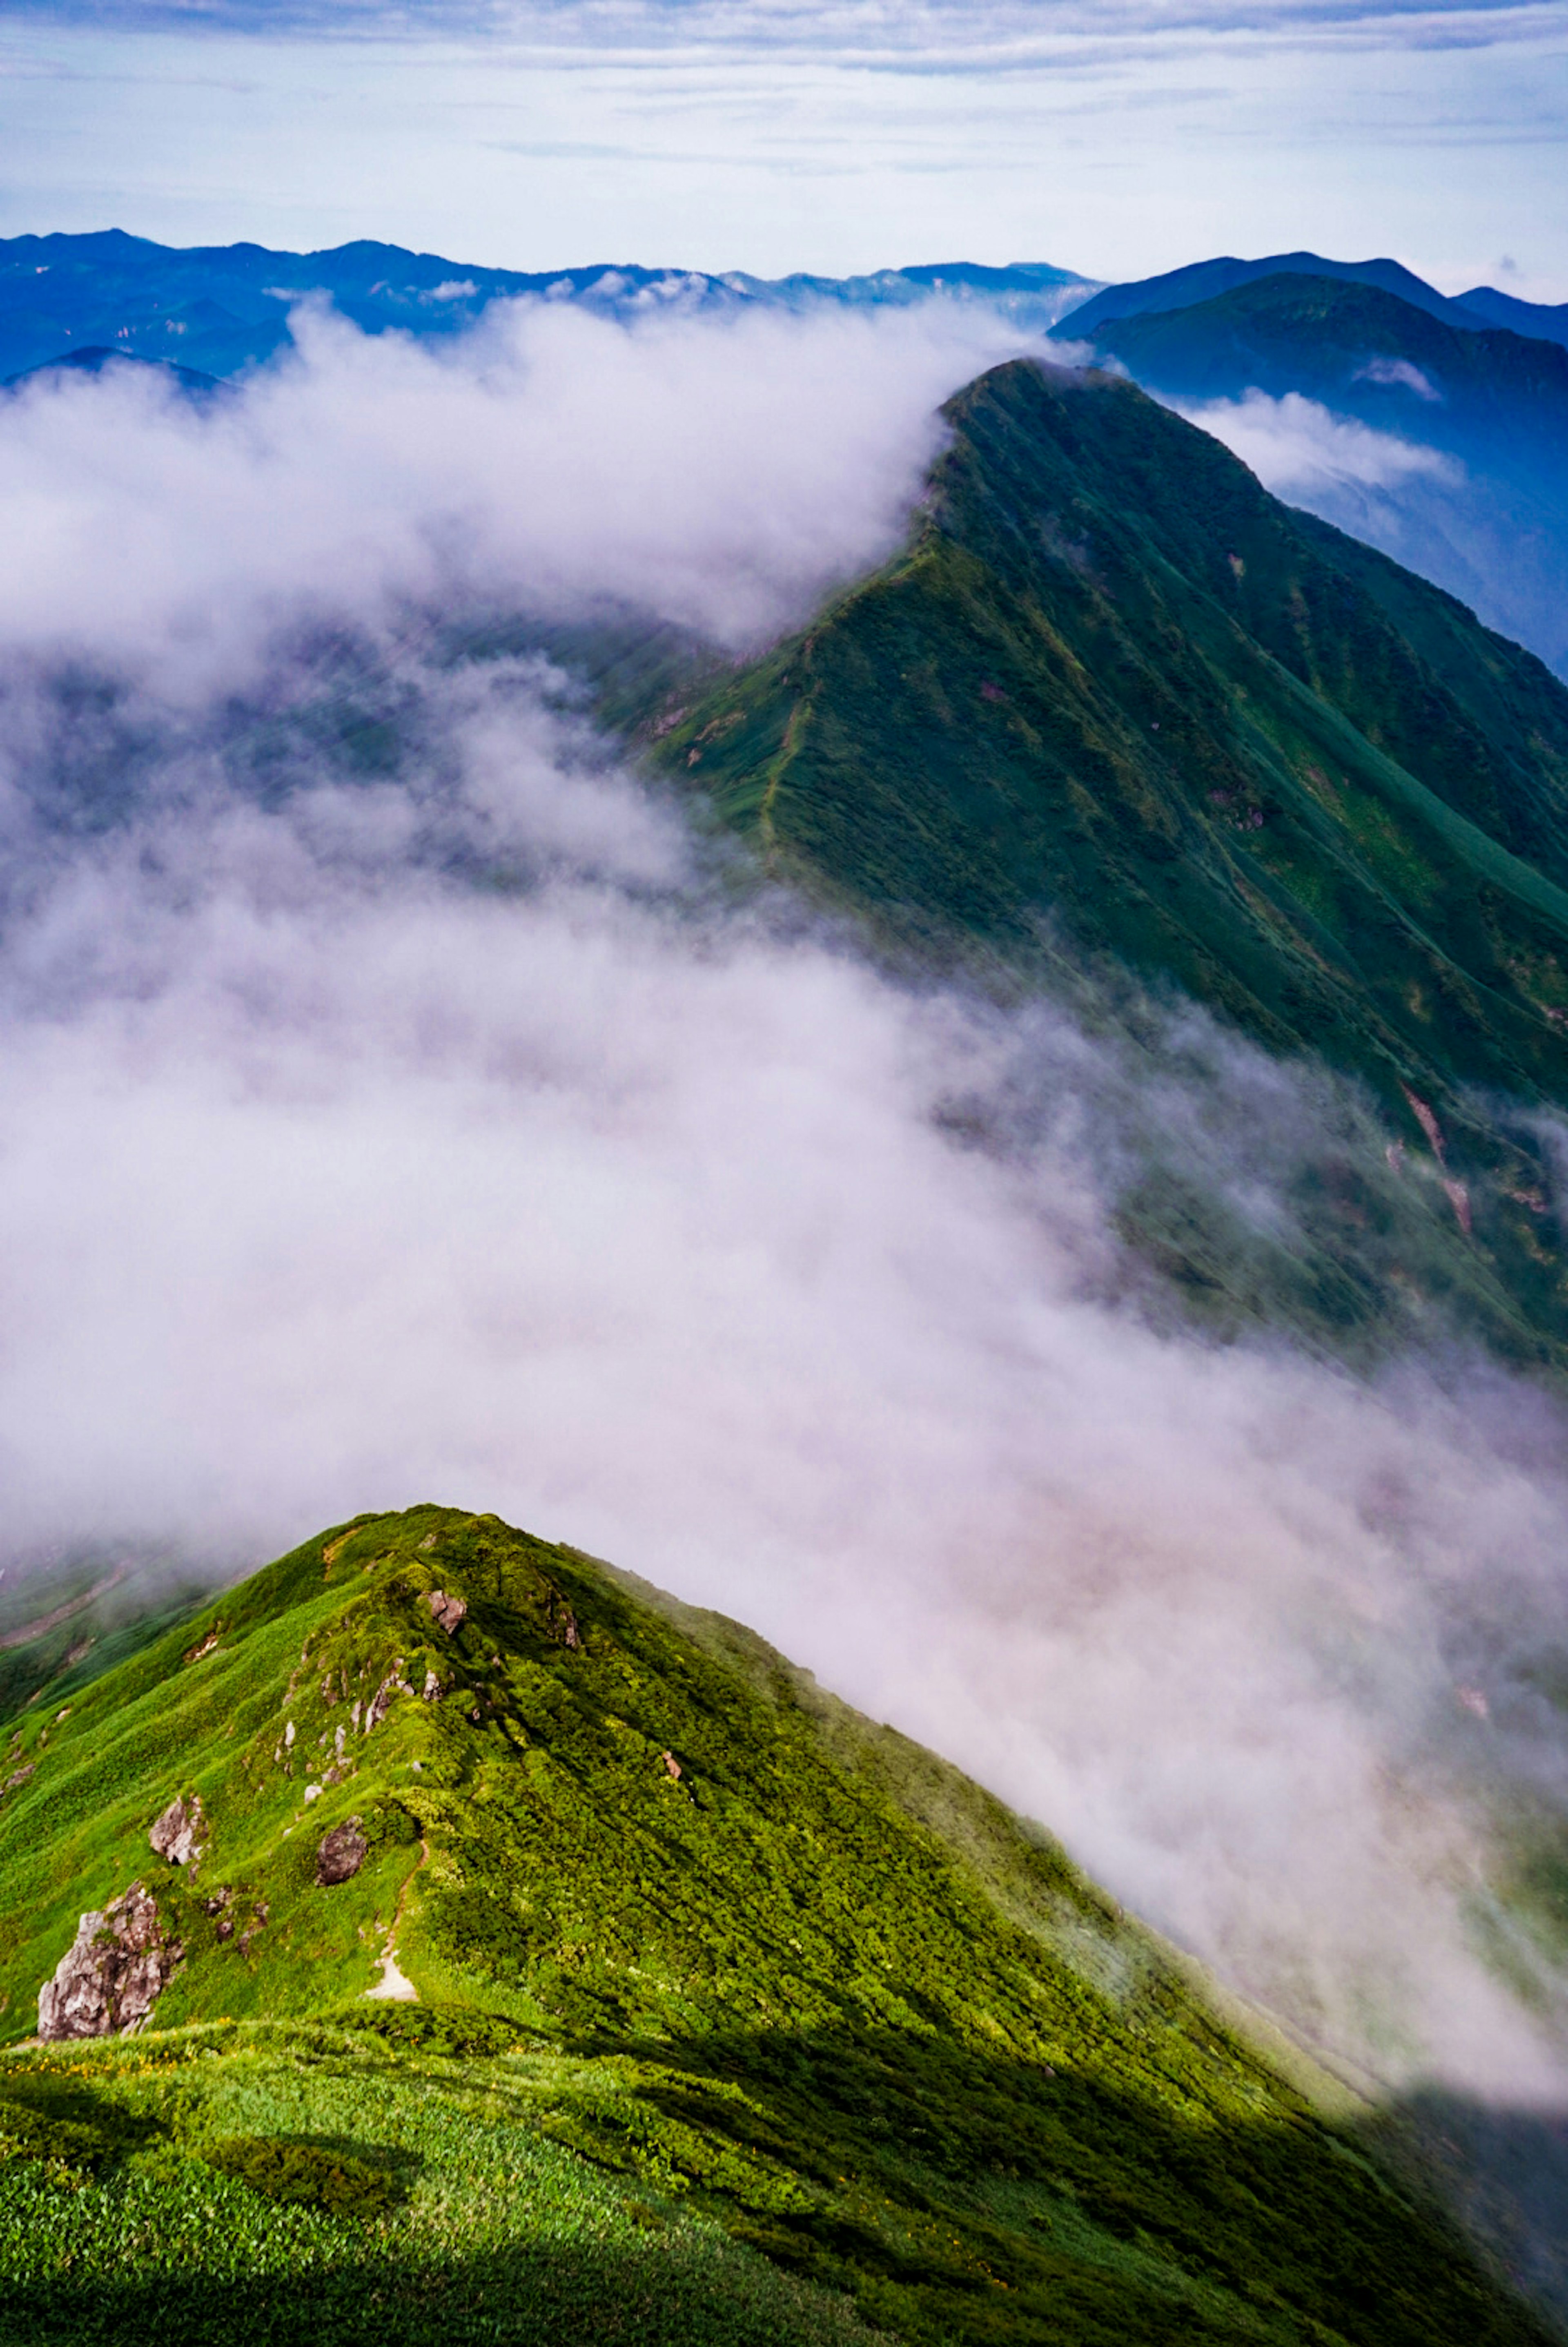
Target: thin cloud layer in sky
1113, 140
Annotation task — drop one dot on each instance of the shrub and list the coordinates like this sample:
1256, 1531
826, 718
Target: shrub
316, 2175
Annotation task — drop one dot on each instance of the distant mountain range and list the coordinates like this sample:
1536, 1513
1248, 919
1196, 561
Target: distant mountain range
222, 308
1476, 379
1202, 280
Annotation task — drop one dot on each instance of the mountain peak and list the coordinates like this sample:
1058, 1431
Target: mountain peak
672, 1907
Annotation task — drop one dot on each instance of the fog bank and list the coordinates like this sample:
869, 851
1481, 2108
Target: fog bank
429, 1125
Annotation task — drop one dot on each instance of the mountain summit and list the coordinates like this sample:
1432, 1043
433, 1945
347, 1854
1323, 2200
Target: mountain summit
436, 1851
1114, 692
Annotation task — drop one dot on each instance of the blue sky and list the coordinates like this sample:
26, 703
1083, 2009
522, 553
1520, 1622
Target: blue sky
839, 135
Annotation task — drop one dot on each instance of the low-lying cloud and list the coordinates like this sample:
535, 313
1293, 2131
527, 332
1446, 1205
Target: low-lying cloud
1297, 446
720, 473
443, 1129
1496, 540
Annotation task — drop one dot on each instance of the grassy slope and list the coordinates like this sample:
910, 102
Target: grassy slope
66, 1619
818, 1990
1113, 680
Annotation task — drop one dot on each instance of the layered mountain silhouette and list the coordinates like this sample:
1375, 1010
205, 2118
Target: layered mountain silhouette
98, 357
1203, 281
1488, 518
1486, 395
222, 308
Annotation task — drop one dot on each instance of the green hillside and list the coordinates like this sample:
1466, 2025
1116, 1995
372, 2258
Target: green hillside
740, 2018
1115, 696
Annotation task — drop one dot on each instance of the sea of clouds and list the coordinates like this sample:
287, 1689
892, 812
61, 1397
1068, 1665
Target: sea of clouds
456, 1127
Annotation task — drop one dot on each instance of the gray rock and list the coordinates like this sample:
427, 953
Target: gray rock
113, 1974
180, 1834
448, 1611
341, 1854
394, 1683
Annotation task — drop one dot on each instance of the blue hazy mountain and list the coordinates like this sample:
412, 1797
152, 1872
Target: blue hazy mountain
1548, 320
95, 357
1481, 508
219, 309
1202, 280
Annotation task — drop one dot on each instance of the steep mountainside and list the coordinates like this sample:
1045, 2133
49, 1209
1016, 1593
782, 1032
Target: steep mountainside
665, 1906
1470, 487
1114, 685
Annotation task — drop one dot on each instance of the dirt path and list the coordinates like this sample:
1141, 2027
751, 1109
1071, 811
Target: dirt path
395, 1983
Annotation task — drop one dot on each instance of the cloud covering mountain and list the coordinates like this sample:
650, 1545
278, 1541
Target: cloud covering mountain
402, 1099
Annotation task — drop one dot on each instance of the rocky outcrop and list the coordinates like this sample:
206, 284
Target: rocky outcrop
180, 1834
341, 1854
379, 1704
448, 1611
113, 1974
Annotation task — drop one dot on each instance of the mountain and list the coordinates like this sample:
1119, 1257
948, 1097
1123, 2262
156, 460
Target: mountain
1490, 522
66, 1617
1486, 395
1117, 708
511, 1952
223, 308
1546, 319
95, 357
1202, 280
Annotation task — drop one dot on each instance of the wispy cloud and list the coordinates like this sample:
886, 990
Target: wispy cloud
1400, 375
1297, 446
995, 37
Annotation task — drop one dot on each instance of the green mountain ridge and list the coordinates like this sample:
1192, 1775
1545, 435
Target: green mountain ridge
1114, 693
725, 1993
1468, 484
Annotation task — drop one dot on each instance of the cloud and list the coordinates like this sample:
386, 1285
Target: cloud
1001, 36
1399, 373
722, 475
1297, 447
396, 1104
1496, 541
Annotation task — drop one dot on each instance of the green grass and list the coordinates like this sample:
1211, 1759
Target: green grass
374, 2198
818, 1997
